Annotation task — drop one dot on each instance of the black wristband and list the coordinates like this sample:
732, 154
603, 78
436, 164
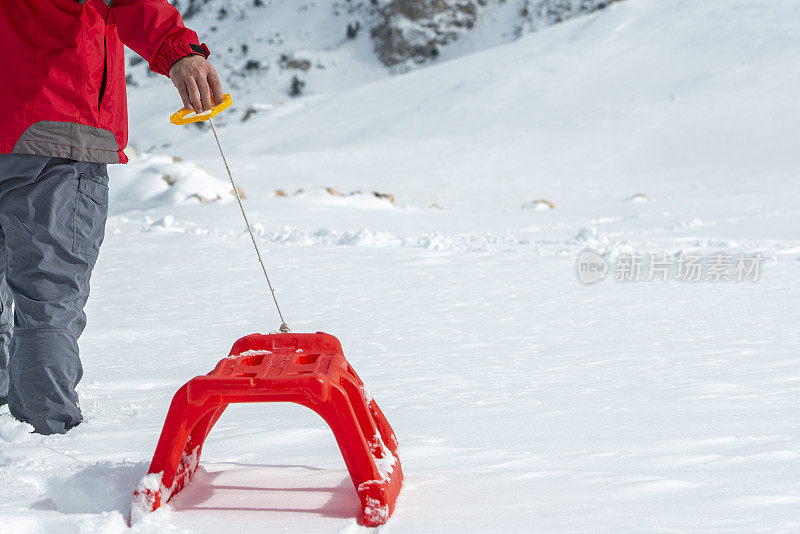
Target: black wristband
200, 50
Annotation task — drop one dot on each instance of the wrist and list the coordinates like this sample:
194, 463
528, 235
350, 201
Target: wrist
189, 50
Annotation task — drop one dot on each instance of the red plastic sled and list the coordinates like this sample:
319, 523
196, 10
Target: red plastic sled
308, 369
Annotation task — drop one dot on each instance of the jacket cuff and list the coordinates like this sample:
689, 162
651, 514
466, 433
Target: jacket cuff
170, 52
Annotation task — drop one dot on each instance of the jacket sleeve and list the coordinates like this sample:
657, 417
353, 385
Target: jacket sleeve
153, 29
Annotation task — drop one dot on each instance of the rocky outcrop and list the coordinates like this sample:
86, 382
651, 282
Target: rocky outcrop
415, 30
536, 14
404, 32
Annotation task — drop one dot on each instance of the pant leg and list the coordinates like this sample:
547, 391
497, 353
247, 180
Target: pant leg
14, 171
6, 322
54, 223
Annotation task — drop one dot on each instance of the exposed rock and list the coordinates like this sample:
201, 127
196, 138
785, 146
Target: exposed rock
389, 197
540, 205
353, 29
204, 199
405, 32
190, 7
297, 87
294, 63
385, 196
537, 14
639, 197
253, 65
258, 108
416, 29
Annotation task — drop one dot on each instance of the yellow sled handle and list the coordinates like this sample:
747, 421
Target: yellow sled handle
188, 116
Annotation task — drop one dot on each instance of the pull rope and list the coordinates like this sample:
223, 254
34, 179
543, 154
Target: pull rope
284, 328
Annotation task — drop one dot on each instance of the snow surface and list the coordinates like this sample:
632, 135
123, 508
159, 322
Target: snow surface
523, 400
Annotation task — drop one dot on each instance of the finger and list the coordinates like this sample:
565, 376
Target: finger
205, 92
184, 92
194, 95
216, 86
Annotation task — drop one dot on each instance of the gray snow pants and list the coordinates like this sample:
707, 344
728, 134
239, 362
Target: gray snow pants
52, 221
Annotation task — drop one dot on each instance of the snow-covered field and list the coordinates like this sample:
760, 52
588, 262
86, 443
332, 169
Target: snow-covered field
524, 401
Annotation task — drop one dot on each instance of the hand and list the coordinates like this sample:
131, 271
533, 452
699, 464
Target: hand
197, 82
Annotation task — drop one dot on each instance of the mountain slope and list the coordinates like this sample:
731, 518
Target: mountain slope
635, 97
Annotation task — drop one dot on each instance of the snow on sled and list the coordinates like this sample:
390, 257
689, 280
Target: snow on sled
307, 369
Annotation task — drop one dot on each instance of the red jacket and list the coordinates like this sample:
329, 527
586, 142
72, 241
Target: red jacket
63, 92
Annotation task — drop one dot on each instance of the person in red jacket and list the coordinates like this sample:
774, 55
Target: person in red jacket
63, 119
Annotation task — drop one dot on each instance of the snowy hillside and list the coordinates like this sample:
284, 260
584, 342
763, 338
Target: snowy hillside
523, 400
281, 49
